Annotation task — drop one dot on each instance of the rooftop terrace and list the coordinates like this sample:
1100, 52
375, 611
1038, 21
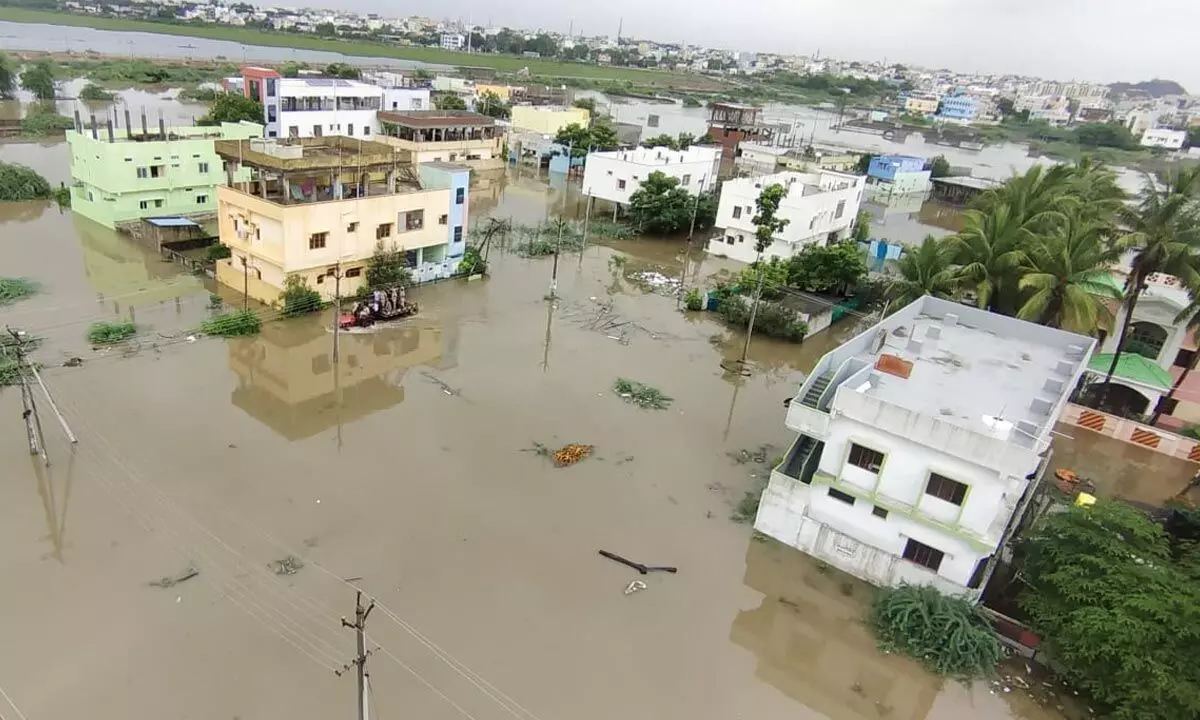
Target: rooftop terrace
334, 152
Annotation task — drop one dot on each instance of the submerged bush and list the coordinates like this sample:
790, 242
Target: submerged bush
242, 322
18, 183
693, 300
772, 319
220, 251
298, 298
108, 333
949, 635
14, 289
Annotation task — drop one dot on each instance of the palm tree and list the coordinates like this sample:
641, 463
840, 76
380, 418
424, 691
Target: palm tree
1094, 186
1163, 232
990, 248
1037, 199
1067, 272
925, 271
1191, 315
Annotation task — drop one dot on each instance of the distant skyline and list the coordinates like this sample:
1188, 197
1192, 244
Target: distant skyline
1094, 40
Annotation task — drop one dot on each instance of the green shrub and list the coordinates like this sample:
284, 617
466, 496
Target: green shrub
773, 320
43, 123
95, 93
203, 94
242, 322
14, 289
18, 183
217, 252
641, 395
109, 333
472, 262
693, 300
949, 635
298, 298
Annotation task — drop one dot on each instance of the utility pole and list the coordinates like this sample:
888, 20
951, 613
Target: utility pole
29, 411
336, 271
245, 284
753, 311
587, 215
360, 662
687, 253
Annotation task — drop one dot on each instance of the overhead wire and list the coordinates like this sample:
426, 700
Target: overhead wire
13, 705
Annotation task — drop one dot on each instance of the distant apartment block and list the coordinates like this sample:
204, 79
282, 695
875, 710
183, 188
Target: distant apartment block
128, 175
920, 443
318, 207
921, 104
313, 107
898, 174
731, 124
958, 109
453, 41
1164, 138
820, 206
615, 175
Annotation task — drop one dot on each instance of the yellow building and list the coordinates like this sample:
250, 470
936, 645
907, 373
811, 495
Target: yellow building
921, 105
548, 120
318, 205
504, 92
420, 136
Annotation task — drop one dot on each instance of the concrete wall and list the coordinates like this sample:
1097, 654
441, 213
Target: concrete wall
886, 167
812, 216
401, 99
476, 154
352, 123
106, 186
548, 120
1135, 433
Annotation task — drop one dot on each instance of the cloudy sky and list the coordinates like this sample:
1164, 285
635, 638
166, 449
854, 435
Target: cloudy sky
1099, 40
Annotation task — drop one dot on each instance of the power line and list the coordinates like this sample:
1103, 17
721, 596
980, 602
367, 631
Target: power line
13, 705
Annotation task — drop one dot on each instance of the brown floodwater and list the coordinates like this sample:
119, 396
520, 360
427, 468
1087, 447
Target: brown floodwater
409, 466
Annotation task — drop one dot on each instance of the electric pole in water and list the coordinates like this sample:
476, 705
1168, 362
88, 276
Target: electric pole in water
336, 272
688, 251
360, 629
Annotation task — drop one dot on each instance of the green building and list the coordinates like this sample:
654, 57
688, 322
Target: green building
129, 176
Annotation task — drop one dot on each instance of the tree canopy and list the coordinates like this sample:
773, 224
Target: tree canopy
661, 206
39, 80
8, 77
232, 107
827, 268
601, 135
1119, 608
449, 101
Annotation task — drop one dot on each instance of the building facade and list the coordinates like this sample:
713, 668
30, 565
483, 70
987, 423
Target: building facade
921, 104
453, 41
128, 176
615, 175
731, 124
958, 109
313, 107
455, 136
314, 212
920, 443
1164, 138
548, 120
404, 99
820, 206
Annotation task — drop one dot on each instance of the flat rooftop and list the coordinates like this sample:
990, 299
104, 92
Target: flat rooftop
990, 374
662, 156
436, 118
968, 182
808, 183
334, 152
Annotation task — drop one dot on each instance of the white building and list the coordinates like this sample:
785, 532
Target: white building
920, 444
313, 107
614, 176
820, 207
406, 98
758, 158
453, 41
1164, 138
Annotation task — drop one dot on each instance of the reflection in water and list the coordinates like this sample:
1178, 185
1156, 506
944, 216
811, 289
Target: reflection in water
289, 381
550, 307
128, 275
54, 488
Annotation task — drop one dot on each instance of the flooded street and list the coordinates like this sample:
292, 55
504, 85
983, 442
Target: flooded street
407, 467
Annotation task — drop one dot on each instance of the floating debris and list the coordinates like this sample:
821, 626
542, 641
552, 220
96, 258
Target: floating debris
171, 581
570, 454
642, 395
290, 565
634, 586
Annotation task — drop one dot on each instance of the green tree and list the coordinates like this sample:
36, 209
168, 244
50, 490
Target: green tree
827, 268
39, 80
491, 105
290, 69
386, 268
660, 206
864, 163
94, 93
449, 101
663, 140
939, 167
604, 135
588, 104
8, 77
1163, 233
298, 298
1193, 136
990, 249
344, 71
862, 226
1064, 278
928, 270
18, 183
1119, 613
1105, 135
232, 107
326, 29
600, 136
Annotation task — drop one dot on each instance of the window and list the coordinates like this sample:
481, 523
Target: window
157, 171
460, 196
1146, 339
737, 211
203, 168
201, 199
687, 180
610, 172
741, 238
90, 198
944, 488
923, 555
271, 82
865, 458
353, 272
350, 129
143, 172
272, 133
812, 222
839, 495
352, 227
272, 114
316, 131
293, 131
320, 279
384, 230
366, 130
414, 220
145, 205
316, 241
729, 240
620, 184
879, 512
443, 220
158, 203
841, 209
457, 233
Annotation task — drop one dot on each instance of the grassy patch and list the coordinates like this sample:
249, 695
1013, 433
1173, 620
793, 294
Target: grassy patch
14, 289
234, 324
553, 68
642, 395
110, 333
